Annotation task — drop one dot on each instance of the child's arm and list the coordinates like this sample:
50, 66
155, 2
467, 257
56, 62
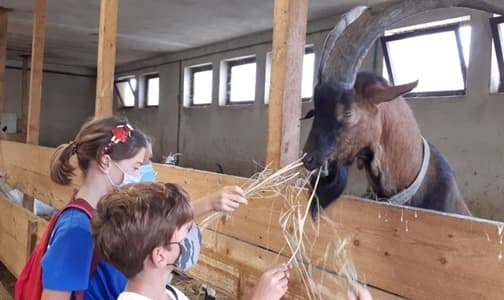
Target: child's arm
227, 199
272, 285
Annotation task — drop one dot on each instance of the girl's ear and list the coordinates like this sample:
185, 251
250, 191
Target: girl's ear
105, 163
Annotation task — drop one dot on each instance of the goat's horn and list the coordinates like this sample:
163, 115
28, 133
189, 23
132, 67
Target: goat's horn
345, 48
345, 20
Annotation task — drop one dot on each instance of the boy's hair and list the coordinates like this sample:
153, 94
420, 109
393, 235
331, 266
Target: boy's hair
133, 220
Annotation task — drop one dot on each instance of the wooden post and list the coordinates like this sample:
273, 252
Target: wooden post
3, 55
106, 57
37, 65
24, 95
289, 34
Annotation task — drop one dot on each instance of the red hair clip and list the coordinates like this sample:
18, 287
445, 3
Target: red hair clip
120, 134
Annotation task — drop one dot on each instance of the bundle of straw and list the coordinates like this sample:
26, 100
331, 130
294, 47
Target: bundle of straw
290, 183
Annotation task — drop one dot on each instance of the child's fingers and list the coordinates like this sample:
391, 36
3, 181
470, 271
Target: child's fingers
236, 198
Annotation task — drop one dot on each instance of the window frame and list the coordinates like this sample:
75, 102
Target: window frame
229, 65
192, 72
499, 53
309, 49
135, 92
455, 27
146, 79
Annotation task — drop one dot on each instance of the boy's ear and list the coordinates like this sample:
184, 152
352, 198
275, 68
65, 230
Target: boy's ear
159, 256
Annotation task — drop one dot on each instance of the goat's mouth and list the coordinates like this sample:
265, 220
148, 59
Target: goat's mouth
324, 169
328, 164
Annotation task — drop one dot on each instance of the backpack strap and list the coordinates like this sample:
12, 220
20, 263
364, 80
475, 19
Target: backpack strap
84, 206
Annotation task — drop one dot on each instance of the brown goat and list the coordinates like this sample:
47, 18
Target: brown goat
376, 127
361, 117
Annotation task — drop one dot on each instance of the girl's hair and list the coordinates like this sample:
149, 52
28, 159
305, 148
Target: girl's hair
95, 139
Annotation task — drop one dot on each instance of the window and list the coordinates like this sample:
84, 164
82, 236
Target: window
308, 71
306, 79
126, 91
152, 90
436, 56
201, 85
241, 81
497, 25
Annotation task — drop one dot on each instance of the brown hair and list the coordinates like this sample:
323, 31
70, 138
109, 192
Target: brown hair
90, 144
133, 220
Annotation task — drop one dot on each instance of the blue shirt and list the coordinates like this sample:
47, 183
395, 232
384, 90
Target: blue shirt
67, 261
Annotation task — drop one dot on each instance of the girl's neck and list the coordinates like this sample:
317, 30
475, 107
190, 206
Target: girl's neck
94, 187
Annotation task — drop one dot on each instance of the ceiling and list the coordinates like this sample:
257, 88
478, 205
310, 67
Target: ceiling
146, 28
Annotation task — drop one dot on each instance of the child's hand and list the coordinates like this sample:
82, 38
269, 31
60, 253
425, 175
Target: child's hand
362, 294
272, 285
228, 199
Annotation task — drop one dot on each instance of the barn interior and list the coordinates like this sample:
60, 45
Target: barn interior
210, 82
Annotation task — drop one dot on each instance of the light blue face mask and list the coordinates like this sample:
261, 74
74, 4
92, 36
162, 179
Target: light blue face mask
147, 173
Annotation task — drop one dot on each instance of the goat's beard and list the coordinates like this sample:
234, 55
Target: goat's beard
330, 186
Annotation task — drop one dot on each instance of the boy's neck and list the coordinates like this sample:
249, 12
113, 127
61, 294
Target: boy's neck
149, 284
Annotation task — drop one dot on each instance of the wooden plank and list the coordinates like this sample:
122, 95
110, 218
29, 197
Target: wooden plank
37, 65
414, 253
289, 33
228, 262
16, 229
106, 57
3, 55
24, 95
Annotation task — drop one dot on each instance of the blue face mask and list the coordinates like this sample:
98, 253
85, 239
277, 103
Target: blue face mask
147, 173
189, 249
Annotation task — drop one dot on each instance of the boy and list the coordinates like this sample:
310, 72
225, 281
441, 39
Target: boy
146, 230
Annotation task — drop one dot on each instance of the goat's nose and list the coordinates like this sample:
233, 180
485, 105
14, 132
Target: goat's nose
309, 161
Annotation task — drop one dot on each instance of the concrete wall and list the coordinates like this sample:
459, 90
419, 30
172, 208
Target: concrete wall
467, 129
67, 102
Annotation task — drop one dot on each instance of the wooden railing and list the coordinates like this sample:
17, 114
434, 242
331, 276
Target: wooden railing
398, 251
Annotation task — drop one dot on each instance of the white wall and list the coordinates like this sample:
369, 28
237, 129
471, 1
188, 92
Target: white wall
67, 102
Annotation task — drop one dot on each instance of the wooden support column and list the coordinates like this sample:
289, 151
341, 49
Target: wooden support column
37, 65
24, 95
289, 34
3, 55
106, 57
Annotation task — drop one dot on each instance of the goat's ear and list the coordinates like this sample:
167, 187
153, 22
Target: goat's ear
378, 93
309, 115
4, 129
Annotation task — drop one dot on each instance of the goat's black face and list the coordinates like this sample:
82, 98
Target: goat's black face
331, 111
330, 107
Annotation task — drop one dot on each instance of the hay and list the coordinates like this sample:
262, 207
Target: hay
292, 185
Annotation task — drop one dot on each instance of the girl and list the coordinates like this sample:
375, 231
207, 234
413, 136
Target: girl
109, 153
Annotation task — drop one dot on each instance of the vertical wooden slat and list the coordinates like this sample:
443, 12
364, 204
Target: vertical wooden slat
24, 95
106, 57
3, 55
37, 64
289, 34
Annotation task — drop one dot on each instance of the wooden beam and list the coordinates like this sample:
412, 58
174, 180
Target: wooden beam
37, 65
106, 57
25, 88
3, 55
289, 34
